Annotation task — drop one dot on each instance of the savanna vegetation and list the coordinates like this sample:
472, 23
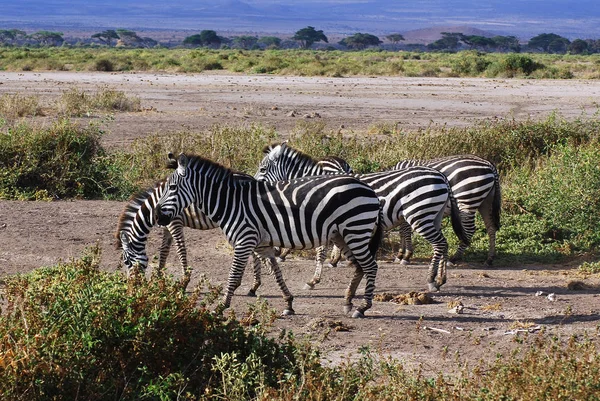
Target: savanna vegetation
74, 329
335, 63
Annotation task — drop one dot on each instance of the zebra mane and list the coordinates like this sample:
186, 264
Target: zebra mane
288, 150
133, 205
196, 160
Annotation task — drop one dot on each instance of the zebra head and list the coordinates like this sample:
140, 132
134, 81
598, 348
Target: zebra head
132, 256
270, 167
178, 193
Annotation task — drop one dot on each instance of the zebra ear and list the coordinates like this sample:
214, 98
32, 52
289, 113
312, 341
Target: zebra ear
172, 163
182, 164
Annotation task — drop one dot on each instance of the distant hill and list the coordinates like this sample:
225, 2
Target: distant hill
520, 18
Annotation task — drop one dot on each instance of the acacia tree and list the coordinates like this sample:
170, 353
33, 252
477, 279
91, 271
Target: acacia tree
507, 43
360, 40
48, 38
204, 38
394, 38
245, 41
106, 36
9, 36
307, 36
270, 41
578, 46
548, 42
449, 41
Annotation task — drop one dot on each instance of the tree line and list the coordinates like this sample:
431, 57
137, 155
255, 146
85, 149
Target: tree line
309, 37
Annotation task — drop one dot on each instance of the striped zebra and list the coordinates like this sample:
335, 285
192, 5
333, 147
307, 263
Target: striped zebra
136, 221
330, 164
475, 184
416, 195
298, 214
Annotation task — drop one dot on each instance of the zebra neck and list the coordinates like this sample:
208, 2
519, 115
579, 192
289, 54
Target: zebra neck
215, 197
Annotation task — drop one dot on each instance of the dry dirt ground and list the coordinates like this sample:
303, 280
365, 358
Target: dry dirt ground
500, 303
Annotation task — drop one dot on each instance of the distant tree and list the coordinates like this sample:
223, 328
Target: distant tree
129, 38
204, 38
48, 38
9, 36
244, 41
477, 41
449, 41
394, 38
149, 42
547, 41
593, 45
270, 41
507, 43
559, 45
360, 41
106, 36
578, 46
307, 36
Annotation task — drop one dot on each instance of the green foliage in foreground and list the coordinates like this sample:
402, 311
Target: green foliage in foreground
74, 332
303, 62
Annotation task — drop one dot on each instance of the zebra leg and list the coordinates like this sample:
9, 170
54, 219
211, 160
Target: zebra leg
257, 262
241, 254
177, 233
364, 264
468, 222
490, 227
283, 253
336, 255
163, 252
268, 256
320, 258
406, 250
439, 261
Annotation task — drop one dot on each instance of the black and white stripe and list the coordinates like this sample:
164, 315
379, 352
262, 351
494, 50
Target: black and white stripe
299, 214
417, 196
137, 220
475, 184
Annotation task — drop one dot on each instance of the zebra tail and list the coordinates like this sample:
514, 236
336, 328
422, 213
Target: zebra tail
376, 239
497, 202
456, 220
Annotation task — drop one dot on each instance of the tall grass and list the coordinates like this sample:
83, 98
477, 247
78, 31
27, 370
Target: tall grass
303, 62
14, 106
73, 331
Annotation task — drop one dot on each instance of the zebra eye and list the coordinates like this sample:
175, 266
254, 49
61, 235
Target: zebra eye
262, 169
172, 187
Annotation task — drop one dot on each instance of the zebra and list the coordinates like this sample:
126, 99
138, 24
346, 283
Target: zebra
475, 183
136, 221
299, 214
417, 195
332, 164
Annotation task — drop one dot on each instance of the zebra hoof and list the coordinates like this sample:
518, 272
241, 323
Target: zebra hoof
332, 264
397, 260
358, 315
433, 287
309, 286
347, 309
251, 293
280, 259
288, 312
404, 262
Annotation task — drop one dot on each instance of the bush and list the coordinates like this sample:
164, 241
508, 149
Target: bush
73, 330
104, 64
563, 191
14, 106
63, 160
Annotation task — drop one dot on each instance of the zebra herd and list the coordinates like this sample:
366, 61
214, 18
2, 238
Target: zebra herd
297, 202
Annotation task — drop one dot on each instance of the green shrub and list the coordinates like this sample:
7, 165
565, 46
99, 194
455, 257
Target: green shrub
63, 160
563, 191
104, 64
74, 331
469, 63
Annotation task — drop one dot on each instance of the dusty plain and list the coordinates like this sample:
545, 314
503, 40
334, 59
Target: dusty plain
500, 303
